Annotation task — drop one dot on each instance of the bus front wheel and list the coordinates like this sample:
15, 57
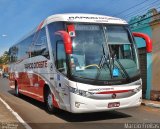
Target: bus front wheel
49, 101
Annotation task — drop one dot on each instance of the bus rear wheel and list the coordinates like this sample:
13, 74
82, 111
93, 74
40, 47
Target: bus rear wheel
17, 90
49, 102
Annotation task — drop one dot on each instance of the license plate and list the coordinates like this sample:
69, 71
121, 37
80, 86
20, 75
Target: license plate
114, 104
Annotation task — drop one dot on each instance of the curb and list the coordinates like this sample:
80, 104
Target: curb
151, 105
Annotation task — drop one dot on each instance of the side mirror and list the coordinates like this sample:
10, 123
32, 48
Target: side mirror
67, 40
147, 40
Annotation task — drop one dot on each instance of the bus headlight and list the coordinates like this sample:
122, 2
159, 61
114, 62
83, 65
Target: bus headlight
80, 92
138, 89
139, 82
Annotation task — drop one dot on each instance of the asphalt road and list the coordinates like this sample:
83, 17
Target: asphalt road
33, 112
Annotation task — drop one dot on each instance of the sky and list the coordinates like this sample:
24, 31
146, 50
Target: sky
18, 17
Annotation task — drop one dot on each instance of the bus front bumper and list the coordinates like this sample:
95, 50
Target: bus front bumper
80, 104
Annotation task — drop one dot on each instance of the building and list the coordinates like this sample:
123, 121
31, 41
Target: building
3, 68
149, 23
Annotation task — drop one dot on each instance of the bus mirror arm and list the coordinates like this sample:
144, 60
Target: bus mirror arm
147, 40
67, 40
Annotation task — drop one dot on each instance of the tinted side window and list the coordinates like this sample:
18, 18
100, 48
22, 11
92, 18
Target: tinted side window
24, 48
40, 46
13, 53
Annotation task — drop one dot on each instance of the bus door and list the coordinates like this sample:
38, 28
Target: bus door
60, 76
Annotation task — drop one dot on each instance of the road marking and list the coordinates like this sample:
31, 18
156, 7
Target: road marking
15, 114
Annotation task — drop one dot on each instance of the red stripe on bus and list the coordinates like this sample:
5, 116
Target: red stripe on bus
40, 26
112, 92
55, 103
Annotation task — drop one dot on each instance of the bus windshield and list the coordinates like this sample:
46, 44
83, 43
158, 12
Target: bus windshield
103, 52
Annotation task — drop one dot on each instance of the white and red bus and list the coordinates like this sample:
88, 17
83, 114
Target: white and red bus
78, 63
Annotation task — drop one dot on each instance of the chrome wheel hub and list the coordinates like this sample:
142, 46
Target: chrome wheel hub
50, 102
17, 90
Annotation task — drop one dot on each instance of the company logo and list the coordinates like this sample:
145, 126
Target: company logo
40, 64
101, 89
95, 18
114, 96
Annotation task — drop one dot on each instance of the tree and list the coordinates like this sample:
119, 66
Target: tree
4, 59
1, 60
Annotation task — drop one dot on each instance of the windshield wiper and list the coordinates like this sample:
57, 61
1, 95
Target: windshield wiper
123, 69
120, 65
104, 60
113, 57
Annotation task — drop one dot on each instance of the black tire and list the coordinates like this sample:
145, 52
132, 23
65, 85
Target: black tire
17, 90
49, 102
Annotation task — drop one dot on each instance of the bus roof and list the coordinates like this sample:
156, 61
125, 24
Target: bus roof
76, 17
90, 18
